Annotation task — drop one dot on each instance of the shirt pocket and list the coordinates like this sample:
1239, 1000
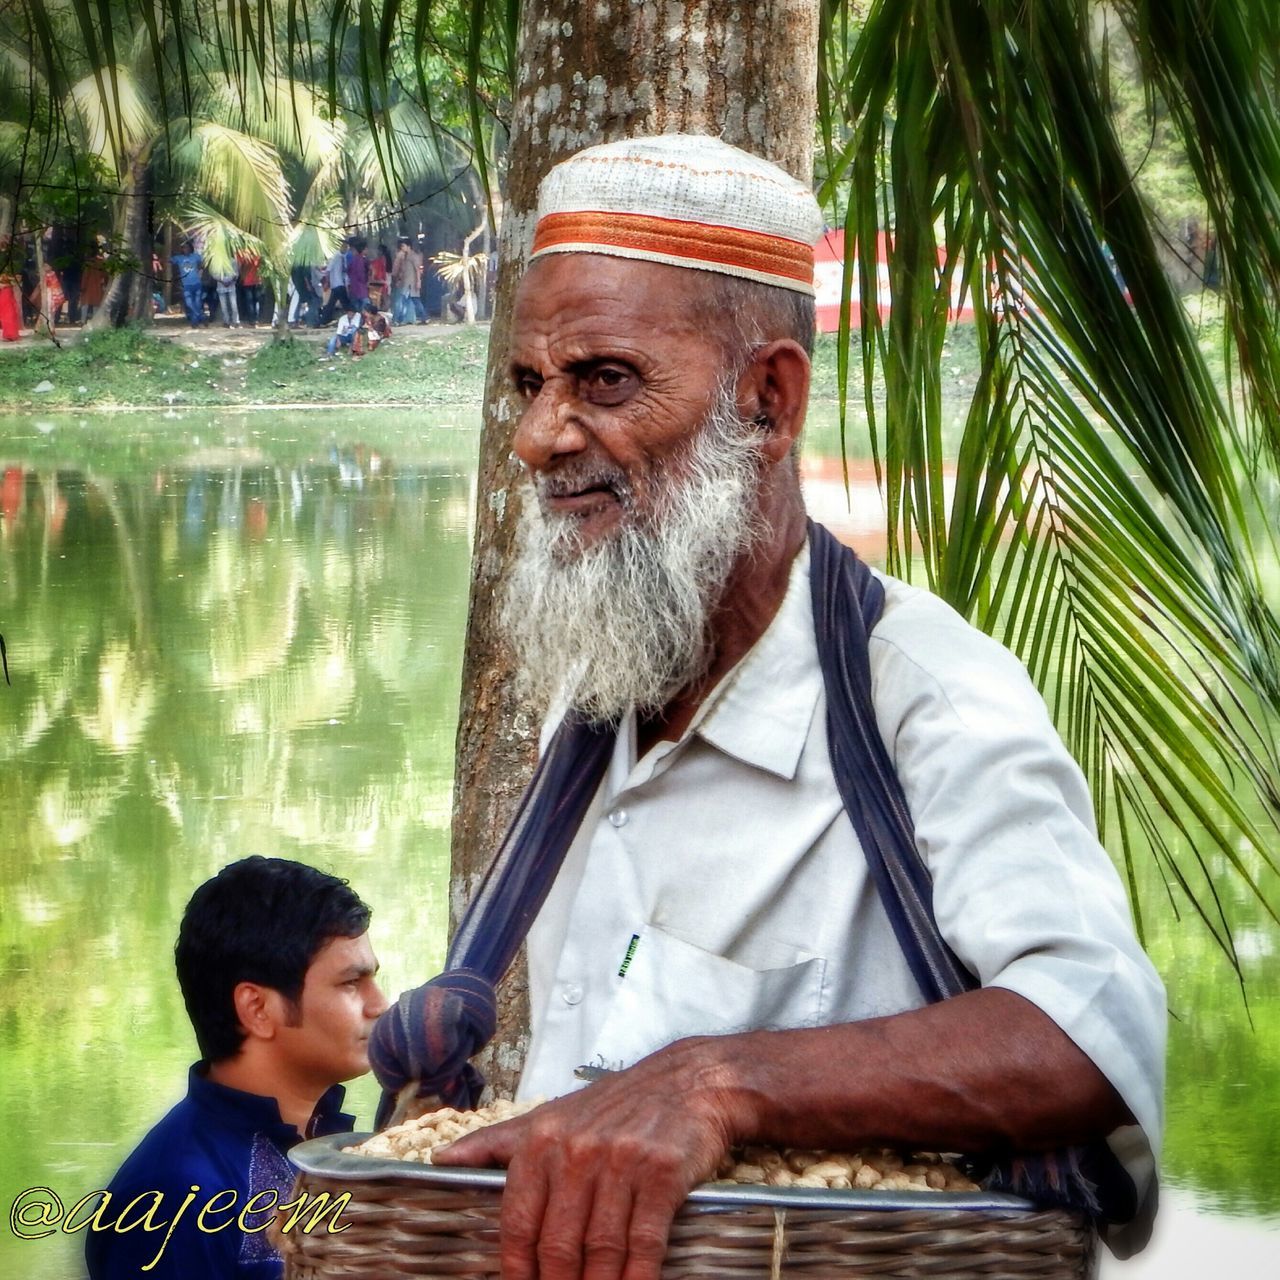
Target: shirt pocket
673, 989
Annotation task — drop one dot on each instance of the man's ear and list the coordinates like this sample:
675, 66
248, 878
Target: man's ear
260, 1009
774, 393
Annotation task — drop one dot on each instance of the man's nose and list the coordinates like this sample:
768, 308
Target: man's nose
549, 427
376, 1003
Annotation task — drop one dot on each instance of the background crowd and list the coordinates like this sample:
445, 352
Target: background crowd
404, 283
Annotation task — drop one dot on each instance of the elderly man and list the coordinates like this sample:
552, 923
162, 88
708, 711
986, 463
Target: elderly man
714, 853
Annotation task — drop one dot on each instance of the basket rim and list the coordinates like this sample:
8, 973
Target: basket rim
324, 1158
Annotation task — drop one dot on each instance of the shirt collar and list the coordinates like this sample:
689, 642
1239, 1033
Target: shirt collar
761, 711
258, 1113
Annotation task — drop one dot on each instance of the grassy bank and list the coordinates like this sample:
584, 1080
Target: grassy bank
129, 368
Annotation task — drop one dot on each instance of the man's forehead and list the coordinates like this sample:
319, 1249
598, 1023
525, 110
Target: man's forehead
343, 953
571, 296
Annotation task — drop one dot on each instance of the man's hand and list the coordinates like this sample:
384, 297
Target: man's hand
596, 1177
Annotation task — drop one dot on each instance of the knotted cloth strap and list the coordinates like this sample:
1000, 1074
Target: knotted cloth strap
435, 1029
430, 1036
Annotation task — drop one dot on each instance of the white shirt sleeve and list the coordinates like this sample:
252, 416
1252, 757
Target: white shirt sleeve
1023, 891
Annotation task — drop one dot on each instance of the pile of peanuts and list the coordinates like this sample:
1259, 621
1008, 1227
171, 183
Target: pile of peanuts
871, 1169
415, 1139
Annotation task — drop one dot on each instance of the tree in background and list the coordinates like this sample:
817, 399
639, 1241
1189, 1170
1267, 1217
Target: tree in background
272, 149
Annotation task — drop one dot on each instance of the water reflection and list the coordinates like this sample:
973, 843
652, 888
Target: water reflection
238, 636
219, 655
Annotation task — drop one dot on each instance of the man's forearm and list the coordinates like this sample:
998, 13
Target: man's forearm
984, 1070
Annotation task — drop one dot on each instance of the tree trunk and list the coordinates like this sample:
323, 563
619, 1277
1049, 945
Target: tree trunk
129, 294
46, 312
588, 74
8, 209
168, 291
468, 285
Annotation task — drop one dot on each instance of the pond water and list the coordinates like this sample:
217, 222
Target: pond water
240, 634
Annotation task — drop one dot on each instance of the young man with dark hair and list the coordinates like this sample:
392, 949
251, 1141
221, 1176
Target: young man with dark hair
277, 974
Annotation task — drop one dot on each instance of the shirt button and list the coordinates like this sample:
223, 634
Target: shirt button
618, 817
572, 993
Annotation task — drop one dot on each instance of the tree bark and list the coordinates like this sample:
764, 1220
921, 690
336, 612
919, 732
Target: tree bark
129, 294
594, 73
46, 312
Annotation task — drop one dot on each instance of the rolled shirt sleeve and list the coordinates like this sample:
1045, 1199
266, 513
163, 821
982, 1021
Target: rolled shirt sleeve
1023, 891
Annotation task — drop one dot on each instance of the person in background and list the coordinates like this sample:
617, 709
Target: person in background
337, 273
421, 303
373, 331
30, 283
434, 291
358, 272
379, 273
189, 268
303, 296
210, 286
278, 978
250, 287
345, 334
404, 281
64, 251
227, 303
157, 292
93, 280
317, 295
55, 300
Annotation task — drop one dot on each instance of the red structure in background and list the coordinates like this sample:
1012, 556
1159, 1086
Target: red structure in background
827, 272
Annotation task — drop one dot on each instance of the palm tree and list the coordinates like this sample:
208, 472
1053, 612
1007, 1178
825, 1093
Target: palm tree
1108, 518
224, 159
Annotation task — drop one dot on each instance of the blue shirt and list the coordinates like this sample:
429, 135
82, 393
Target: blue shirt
221, 1140
188, 265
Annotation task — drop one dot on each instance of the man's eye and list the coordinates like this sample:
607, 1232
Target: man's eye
608, 384
528, 385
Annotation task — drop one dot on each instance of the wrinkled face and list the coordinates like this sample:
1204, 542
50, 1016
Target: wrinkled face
616, 379
646, 480
328, 1039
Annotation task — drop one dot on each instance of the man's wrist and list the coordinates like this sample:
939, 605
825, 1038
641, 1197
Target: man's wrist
729, 1080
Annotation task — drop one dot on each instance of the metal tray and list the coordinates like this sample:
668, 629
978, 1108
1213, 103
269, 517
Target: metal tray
324, 1157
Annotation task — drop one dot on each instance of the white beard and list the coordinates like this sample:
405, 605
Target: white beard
627, 622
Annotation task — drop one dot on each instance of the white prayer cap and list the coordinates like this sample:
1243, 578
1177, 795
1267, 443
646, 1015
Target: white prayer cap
683, 199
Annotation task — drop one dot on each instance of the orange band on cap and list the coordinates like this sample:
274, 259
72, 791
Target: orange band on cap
751, 251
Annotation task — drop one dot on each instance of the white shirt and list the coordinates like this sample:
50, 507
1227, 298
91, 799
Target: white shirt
717, 885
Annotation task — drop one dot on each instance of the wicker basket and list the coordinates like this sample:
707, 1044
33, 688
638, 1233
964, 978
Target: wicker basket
414, 1220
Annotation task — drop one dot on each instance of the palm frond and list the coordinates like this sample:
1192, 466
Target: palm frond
1098, 522
1216, 68
319, 230
240, 175
288, 114
460, 268
114, 126
412, 141
221, 237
